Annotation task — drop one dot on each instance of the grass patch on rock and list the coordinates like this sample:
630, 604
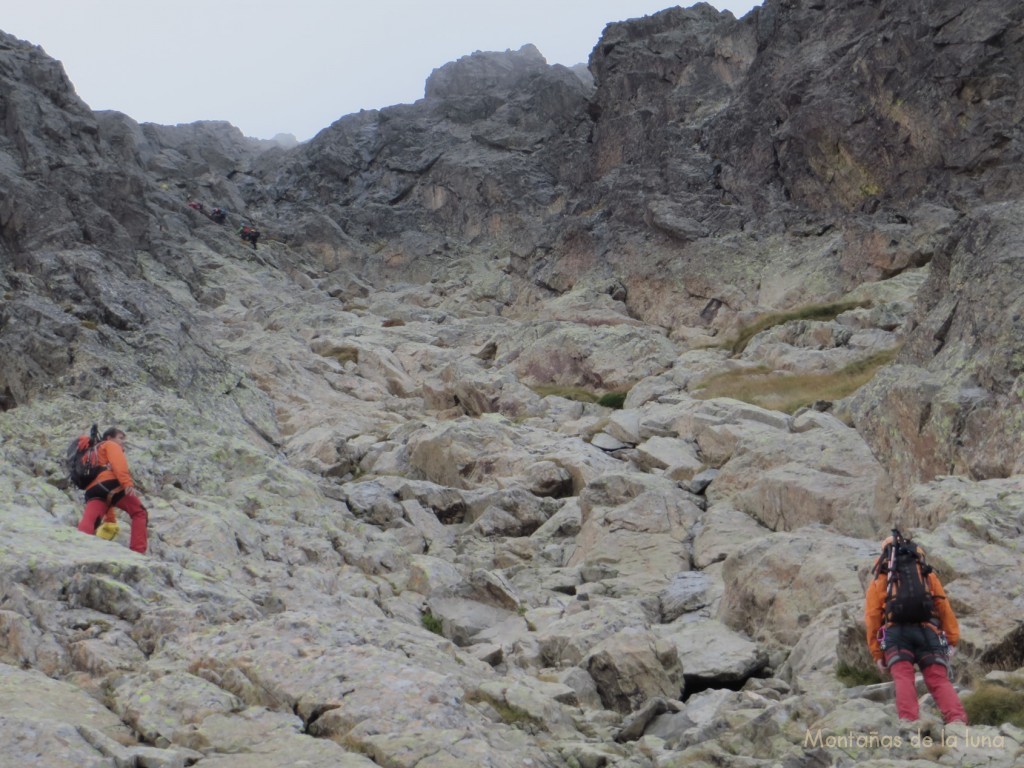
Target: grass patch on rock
786, 392
569, 393
829, 311
608, 400
613, 400
509, 714
994, 704
432, 623
853, 677
343, 354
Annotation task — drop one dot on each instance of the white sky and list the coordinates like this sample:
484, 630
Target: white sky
294, 66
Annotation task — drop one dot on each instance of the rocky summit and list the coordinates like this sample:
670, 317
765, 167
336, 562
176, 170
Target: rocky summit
553, 420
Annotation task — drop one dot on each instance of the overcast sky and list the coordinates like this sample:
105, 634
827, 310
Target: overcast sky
294, 66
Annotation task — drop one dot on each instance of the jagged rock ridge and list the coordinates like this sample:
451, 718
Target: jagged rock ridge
343, 439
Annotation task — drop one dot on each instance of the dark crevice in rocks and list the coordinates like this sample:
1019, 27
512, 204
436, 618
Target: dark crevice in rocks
492, 144
711, 310
454, 514
269, 438
402, 194
943, 331
694, 684
237, 385
936, 29
1008, 655
7, 400
316, 714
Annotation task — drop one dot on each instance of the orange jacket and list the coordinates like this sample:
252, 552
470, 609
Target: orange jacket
112, 455
874, 612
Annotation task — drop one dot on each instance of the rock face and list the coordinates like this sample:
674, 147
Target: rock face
390, 524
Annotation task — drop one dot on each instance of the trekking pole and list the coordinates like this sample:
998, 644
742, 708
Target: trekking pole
897, 538
944, 642
890, 582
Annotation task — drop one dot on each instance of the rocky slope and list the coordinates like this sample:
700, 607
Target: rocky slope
377, 537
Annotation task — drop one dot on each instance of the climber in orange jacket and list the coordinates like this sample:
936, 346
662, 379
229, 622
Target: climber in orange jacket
114, 487
896, 647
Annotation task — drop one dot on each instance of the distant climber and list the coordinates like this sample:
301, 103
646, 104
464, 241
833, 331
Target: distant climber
195, 205
218, 215
114, 487
249, 234
909, 621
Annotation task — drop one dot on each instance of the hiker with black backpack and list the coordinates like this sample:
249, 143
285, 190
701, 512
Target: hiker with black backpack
909, 621
101, 468
249, 234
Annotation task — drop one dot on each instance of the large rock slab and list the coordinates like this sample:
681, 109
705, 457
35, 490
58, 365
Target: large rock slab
813, 661
678, 458
637, 525
568, 639
950, 406
167, 710
788, 480
605, 357
31, 696
632, 666
462, 620
717, 425
712, 654
261, 737
475, 453
688, 592
724, 530
978, 552
776, 586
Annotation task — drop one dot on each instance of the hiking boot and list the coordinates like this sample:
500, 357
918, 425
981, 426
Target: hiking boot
955, 732
911, 729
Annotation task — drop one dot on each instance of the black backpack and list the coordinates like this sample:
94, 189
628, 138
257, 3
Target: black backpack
908, 596
82, 461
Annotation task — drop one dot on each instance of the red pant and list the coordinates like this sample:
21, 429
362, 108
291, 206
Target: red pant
937, 680
95, 509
